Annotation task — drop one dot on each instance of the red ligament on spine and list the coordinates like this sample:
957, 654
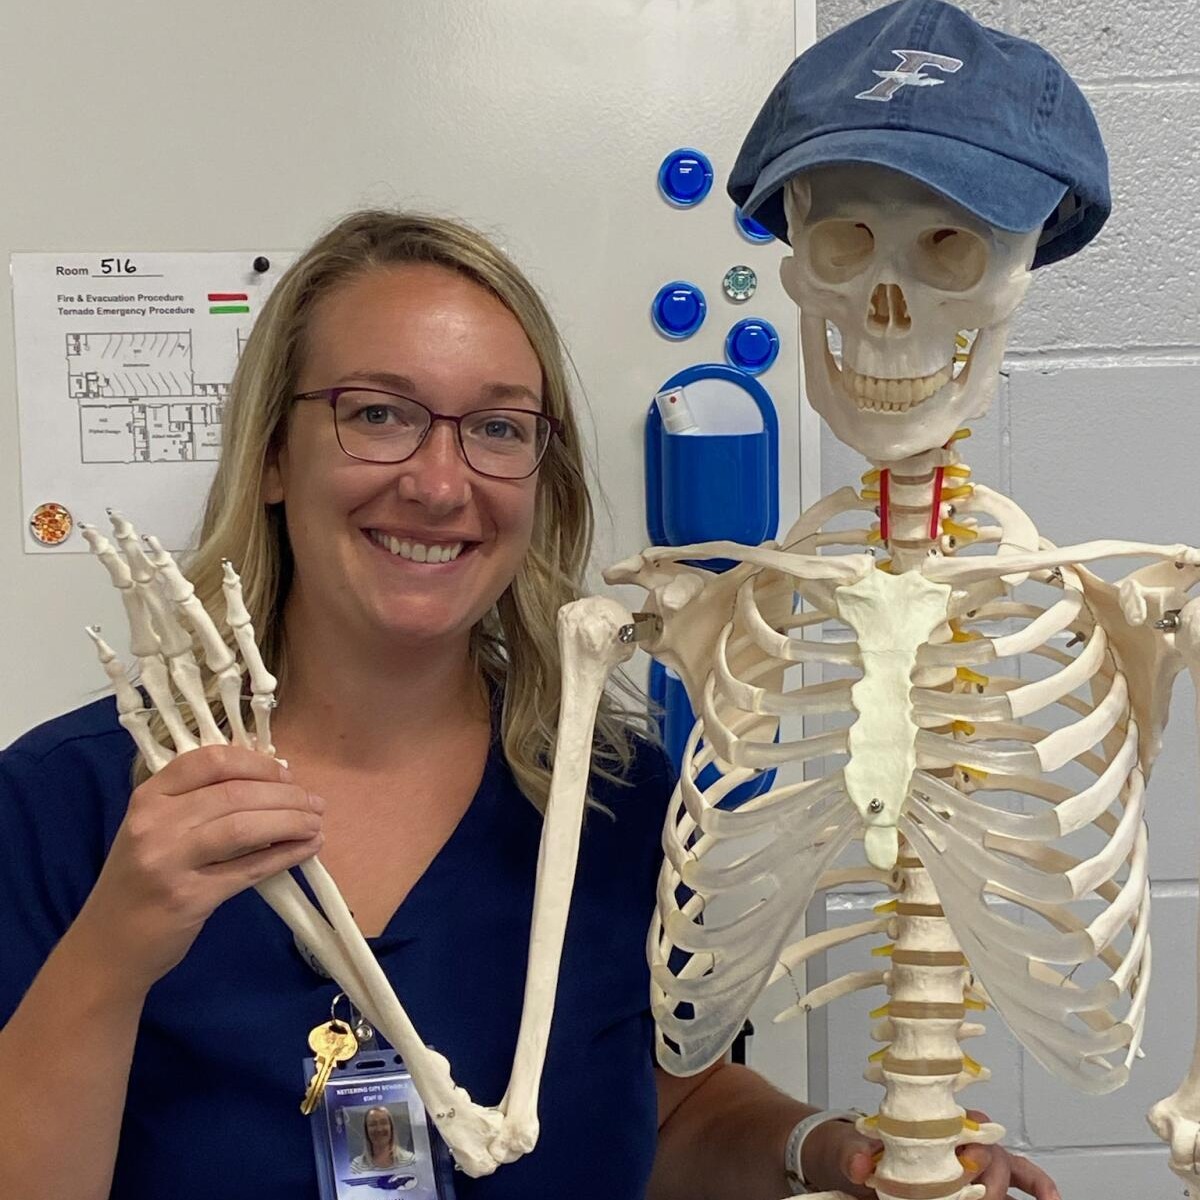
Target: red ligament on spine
935, 514
885, 523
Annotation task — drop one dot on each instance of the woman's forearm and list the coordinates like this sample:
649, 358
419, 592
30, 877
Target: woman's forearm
727, 1138
64, 1059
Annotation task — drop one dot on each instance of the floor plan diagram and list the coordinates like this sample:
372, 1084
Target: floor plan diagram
140, 399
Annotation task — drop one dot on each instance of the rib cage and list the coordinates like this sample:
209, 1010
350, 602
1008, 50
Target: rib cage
1027, 796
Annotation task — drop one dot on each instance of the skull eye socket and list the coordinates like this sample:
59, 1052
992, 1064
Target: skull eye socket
839, 250
952, 260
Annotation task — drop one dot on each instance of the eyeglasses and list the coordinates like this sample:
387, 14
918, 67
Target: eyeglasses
384, 427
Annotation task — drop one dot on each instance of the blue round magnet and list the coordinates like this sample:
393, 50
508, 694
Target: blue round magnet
752, 345
685, 177
750, 229
679, 309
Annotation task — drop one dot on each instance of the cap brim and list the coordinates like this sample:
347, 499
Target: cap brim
997, 189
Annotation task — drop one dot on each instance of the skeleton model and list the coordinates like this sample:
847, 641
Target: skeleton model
984, 714
972, 665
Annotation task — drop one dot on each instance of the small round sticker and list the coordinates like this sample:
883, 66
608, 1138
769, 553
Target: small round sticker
51, 524
740, 283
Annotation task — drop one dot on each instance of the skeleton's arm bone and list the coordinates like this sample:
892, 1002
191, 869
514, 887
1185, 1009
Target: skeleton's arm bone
470, 1129
589, 636
1176, 1118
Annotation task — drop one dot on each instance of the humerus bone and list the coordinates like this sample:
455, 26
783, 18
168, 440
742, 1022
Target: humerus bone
164, 615
1176, 1119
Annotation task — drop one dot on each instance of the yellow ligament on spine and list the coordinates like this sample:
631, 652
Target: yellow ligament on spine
960, 533
966, 675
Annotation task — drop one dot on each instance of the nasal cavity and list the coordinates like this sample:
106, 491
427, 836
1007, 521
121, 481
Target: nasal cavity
888, 309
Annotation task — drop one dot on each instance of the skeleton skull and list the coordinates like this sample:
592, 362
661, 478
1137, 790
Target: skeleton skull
907, 277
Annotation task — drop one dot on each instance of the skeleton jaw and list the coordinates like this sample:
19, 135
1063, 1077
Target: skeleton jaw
890, 419
874, 394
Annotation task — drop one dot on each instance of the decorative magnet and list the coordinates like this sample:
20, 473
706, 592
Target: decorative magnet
739, 283
685, 177
750, 229
678, 309
752, 345
51, 524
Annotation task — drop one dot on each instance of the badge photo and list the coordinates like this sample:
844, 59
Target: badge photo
372, 1136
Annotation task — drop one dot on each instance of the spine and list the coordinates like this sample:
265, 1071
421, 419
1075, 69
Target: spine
920, 1123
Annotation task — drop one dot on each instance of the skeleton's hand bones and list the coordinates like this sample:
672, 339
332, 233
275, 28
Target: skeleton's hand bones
164, 616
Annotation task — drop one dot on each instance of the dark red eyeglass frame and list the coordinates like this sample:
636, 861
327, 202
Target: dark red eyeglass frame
331, 396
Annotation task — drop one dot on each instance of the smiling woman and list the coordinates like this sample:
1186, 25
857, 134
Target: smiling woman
428, 309
402, 490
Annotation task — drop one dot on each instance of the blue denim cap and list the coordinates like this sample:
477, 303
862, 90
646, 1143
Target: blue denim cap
991, 121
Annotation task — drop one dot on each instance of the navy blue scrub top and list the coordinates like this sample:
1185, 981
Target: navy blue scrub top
213, 1104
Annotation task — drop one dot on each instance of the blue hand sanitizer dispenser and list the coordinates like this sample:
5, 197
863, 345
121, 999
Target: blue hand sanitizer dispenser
712, 473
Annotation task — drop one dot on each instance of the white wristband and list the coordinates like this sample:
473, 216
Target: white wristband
795, 1145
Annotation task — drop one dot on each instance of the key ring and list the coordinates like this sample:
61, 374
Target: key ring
358, 1024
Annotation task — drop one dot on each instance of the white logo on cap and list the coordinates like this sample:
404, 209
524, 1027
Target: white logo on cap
908, 73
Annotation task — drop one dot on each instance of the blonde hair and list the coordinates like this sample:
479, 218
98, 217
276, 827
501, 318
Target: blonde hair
515, 647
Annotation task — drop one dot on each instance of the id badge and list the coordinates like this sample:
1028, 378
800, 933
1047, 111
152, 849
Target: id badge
372, 1136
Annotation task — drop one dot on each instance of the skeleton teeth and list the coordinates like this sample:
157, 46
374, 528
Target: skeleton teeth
417, 551
873, 394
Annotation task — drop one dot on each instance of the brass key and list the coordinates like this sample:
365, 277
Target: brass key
332, 1043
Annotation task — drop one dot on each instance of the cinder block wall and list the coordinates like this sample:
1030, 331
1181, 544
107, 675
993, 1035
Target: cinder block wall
1096, 432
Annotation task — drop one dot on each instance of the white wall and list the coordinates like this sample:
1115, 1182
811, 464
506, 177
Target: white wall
1096, 433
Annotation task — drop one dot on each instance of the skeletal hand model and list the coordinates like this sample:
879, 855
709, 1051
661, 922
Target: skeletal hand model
166, 620
955, 684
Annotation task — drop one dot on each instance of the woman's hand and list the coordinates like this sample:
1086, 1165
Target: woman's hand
211, 823
998, 1169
